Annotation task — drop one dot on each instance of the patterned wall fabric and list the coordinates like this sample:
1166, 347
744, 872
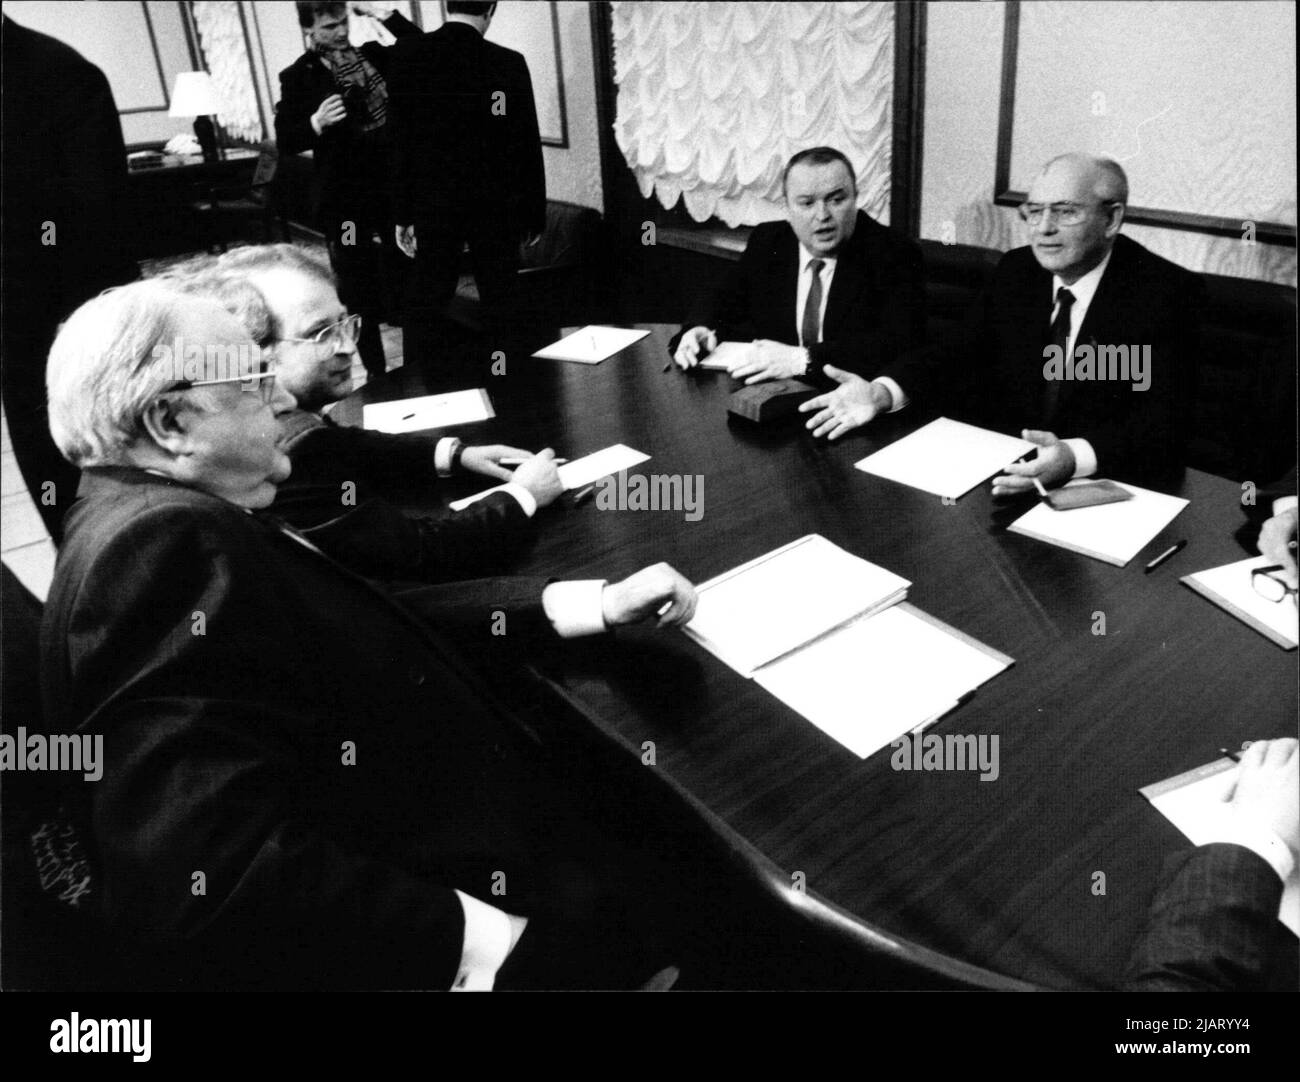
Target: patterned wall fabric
713, 98
221, 36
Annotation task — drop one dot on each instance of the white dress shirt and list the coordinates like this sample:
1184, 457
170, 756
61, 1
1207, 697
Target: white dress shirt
1084, 289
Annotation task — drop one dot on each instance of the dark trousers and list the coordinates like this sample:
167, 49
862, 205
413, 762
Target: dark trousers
362, 265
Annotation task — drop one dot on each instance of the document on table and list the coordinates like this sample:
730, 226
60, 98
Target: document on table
429, 411
880, 676
578, 473
946, 457
786, 598
1111, 532
1194, 802
727, 356
591, 345
1230, 588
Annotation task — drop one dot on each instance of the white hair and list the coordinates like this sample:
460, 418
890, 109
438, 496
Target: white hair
104, 370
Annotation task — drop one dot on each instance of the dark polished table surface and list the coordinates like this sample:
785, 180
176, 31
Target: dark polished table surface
1002, 873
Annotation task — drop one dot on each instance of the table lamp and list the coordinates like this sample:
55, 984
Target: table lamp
194, 95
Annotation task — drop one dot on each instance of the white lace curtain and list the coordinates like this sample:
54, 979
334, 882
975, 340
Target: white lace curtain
221, 37
714, 98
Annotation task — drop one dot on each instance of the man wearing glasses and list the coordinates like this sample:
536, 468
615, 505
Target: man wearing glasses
1078, 284
344, 477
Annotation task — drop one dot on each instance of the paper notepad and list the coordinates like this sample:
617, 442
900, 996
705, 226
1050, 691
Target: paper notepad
591, 345
1194, 803
948, 458
428, 411
1230, 588
579, 473
1113, 532
727, 356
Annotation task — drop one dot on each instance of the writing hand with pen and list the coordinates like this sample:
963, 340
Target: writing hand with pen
1053, 464
536, 472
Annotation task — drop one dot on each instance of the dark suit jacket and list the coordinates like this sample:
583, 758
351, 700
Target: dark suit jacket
460, 161
991, 371
875, 311
226, 665
348, 165
1213, 927
369, 533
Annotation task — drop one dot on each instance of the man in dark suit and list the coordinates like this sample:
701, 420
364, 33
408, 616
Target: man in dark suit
467, 169
1078, 292
305, 782
826, 292
1213, 924
334, 101
344, 479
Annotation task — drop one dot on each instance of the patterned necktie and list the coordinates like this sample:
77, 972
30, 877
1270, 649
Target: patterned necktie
1059, 336
811, 332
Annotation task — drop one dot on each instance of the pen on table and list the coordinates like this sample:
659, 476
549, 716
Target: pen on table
408, 416
1176, 547
521, 461
581, 496
1235, 756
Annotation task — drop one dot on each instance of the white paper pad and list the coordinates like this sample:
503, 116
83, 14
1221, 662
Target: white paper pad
879, 677
1194, 803
948, 458
579, 473
1113, 532
727, 356
1230, 587
428, 411
591, 345
780, 601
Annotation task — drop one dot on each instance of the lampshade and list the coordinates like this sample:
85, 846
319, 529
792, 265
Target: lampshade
194, 95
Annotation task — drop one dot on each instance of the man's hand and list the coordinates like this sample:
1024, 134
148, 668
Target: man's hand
644, 594
405, 237
1054, 466
1267, 788
771, 360
367, 10
695, 343
487, 460
539, 475
330, 112
1276, 537
852, 404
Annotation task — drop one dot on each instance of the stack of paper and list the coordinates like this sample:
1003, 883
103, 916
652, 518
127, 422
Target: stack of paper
429, 411
948, 458
1195, 803
580, 472
1230, 588
1113, 532
727, 356
591, 345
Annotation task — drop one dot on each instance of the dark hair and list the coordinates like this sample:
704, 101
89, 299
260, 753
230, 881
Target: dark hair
311, 10
818, 156
466, 7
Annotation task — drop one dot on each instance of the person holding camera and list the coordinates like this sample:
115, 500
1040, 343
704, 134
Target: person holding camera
334, 102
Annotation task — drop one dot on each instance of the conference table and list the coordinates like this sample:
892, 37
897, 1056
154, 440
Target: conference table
1001, 874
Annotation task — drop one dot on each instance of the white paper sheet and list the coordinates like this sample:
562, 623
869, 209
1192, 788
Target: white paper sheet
1113, 532
1230, 586
727, 356
879, 677
781, 600
1194, 803
591, 345
578, 473
428, 411
945, 457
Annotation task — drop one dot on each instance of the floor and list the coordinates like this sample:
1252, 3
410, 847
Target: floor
25, 546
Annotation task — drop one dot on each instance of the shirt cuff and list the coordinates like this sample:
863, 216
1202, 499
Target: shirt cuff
575, 608
312, 121
1085, 458
895, 393
1283, 504
446, 447
525, 498
485, 947
1238, 829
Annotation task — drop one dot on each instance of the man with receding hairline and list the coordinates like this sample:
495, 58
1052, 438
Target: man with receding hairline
1078, 286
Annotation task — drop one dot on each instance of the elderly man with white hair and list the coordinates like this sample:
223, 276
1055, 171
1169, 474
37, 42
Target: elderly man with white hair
1084, 342
305, 783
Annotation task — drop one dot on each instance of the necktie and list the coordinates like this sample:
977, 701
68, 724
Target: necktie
811, 332
1059, 337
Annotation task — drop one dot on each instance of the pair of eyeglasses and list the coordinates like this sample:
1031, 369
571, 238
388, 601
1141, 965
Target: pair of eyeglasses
337, 335
1268, 585
265, 380
1062, 213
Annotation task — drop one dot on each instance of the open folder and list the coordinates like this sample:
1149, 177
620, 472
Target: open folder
1230, 588
946, 457
829, 634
